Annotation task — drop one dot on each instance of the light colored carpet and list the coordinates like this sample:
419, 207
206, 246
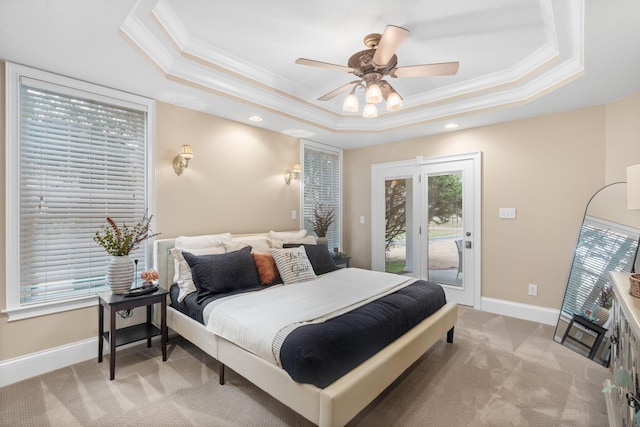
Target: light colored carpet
499, 371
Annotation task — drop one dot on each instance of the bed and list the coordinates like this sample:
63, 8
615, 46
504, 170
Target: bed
331, 405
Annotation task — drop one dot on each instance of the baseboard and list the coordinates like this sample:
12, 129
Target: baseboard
518, 310
21, 368
31, 365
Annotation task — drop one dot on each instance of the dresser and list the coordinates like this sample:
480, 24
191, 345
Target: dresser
625, 347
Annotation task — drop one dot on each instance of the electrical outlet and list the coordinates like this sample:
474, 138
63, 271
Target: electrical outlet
578, 335
294, 215
533, 290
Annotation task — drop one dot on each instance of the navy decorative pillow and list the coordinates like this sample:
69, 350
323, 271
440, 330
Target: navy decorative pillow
219, 273
319, 256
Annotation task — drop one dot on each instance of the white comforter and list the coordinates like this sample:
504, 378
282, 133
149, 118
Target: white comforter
259, 321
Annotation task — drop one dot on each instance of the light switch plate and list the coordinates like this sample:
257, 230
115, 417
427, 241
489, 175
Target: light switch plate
507, 213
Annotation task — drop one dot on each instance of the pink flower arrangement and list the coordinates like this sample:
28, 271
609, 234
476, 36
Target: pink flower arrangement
149, 276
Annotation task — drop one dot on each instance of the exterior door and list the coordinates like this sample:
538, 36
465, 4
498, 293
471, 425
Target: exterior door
426, 222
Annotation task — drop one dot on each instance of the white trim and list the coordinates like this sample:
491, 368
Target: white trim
534, 313
15, 73
52, 307
555, 61
379, 174
41, 362
327, 149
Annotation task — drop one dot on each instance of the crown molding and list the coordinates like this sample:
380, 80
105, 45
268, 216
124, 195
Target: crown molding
193, 62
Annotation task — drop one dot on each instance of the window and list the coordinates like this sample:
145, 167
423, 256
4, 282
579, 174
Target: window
76, 153
322, 185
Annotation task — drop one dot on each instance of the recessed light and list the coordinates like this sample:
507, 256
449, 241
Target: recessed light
451, 126
255, 118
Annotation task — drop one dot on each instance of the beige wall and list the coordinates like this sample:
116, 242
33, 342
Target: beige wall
234, 183
623, 137
545, 167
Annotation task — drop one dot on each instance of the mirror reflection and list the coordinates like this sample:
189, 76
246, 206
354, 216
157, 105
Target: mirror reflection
608, 241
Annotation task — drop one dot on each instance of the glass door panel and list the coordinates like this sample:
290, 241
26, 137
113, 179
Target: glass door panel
398, 225
445, 229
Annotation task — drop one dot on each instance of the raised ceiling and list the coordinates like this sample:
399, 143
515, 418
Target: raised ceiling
518, 58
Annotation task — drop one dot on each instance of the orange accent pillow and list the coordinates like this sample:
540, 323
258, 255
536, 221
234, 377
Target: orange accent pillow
267, 269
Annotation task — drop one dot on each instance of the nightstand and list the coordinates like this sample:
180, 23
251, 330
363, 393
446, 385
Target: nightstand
118, 337
343, 260
598, 330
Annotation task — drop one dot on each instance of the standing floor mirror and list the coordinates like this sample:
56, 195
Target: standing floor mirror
608, 241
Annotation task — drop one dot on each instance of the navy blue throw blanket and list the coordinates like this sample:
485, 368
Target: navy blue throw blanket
321, 353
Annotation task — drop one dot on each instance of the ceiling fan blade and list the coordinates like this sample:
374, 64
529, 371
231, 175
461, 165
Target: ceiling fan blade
338, 91
426, 70
320, 64
391, 39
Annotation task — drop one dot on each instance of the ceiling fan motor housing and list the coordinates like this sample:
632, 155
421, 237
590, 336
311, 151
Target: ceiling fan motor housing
362, 63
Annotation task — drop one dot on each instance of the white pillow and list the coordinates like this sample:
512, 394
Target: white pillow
190, 243
293, 265
287, 235
183, 271
306, 240
260, 246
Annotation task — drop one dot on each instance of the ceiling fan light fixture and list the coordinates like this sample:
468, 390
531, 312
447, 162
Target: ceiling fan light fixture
394, 101
370, 111
351, 103
374, 94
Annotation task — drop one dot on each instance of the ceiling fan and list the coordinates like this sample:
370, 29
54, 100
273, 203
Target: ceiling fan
372, 65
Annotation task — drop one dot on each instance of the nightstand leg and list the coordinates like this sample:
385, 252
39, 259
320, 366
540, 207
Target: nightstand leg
148, 324
100, 331
112, 344
163, 328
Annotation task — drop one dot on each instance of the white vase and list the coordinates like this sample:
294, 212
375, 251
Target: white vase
120, 273
601, 314
322, 241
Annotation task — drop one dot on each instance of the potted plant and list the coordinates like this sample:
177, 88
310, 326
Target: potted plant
601, 312
119, 241
321, 221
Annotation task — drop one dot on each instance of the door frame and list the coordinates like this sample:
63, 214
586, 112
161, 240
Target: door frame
378, 200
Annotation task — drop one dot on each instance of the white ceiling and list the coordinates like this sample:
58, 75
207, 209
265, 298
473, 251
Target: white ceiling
234, 59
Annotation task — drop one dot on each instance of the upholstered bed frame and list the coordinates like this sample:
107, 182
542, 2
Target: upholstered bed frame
334, 405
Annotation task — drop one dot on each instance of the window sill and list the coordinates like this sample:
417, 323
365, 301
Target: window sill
21, 313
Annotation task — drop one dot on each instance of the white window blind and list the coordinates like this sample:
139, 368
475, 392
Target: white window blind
602, 246
81, 158
322, 185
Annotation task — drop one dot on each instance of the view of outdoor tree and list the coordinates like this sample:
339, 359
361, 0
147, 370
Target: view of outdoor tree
445, 198
395, 205
445, 203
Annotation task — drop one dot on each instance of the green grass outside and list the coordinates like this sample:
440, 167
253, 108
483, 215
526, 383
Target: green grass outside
394, 266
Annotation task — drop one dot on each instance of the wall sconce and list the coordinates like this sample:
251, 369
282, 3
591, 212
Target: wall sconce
633, 187
181, 161
294, 173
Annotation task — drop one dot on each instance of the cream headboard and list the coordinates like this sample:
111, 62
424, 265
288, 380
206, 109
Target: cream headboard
163, 261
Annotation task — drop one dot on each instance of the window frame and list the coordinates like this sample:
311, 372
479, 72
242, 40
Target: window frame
69, 86
304, 144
